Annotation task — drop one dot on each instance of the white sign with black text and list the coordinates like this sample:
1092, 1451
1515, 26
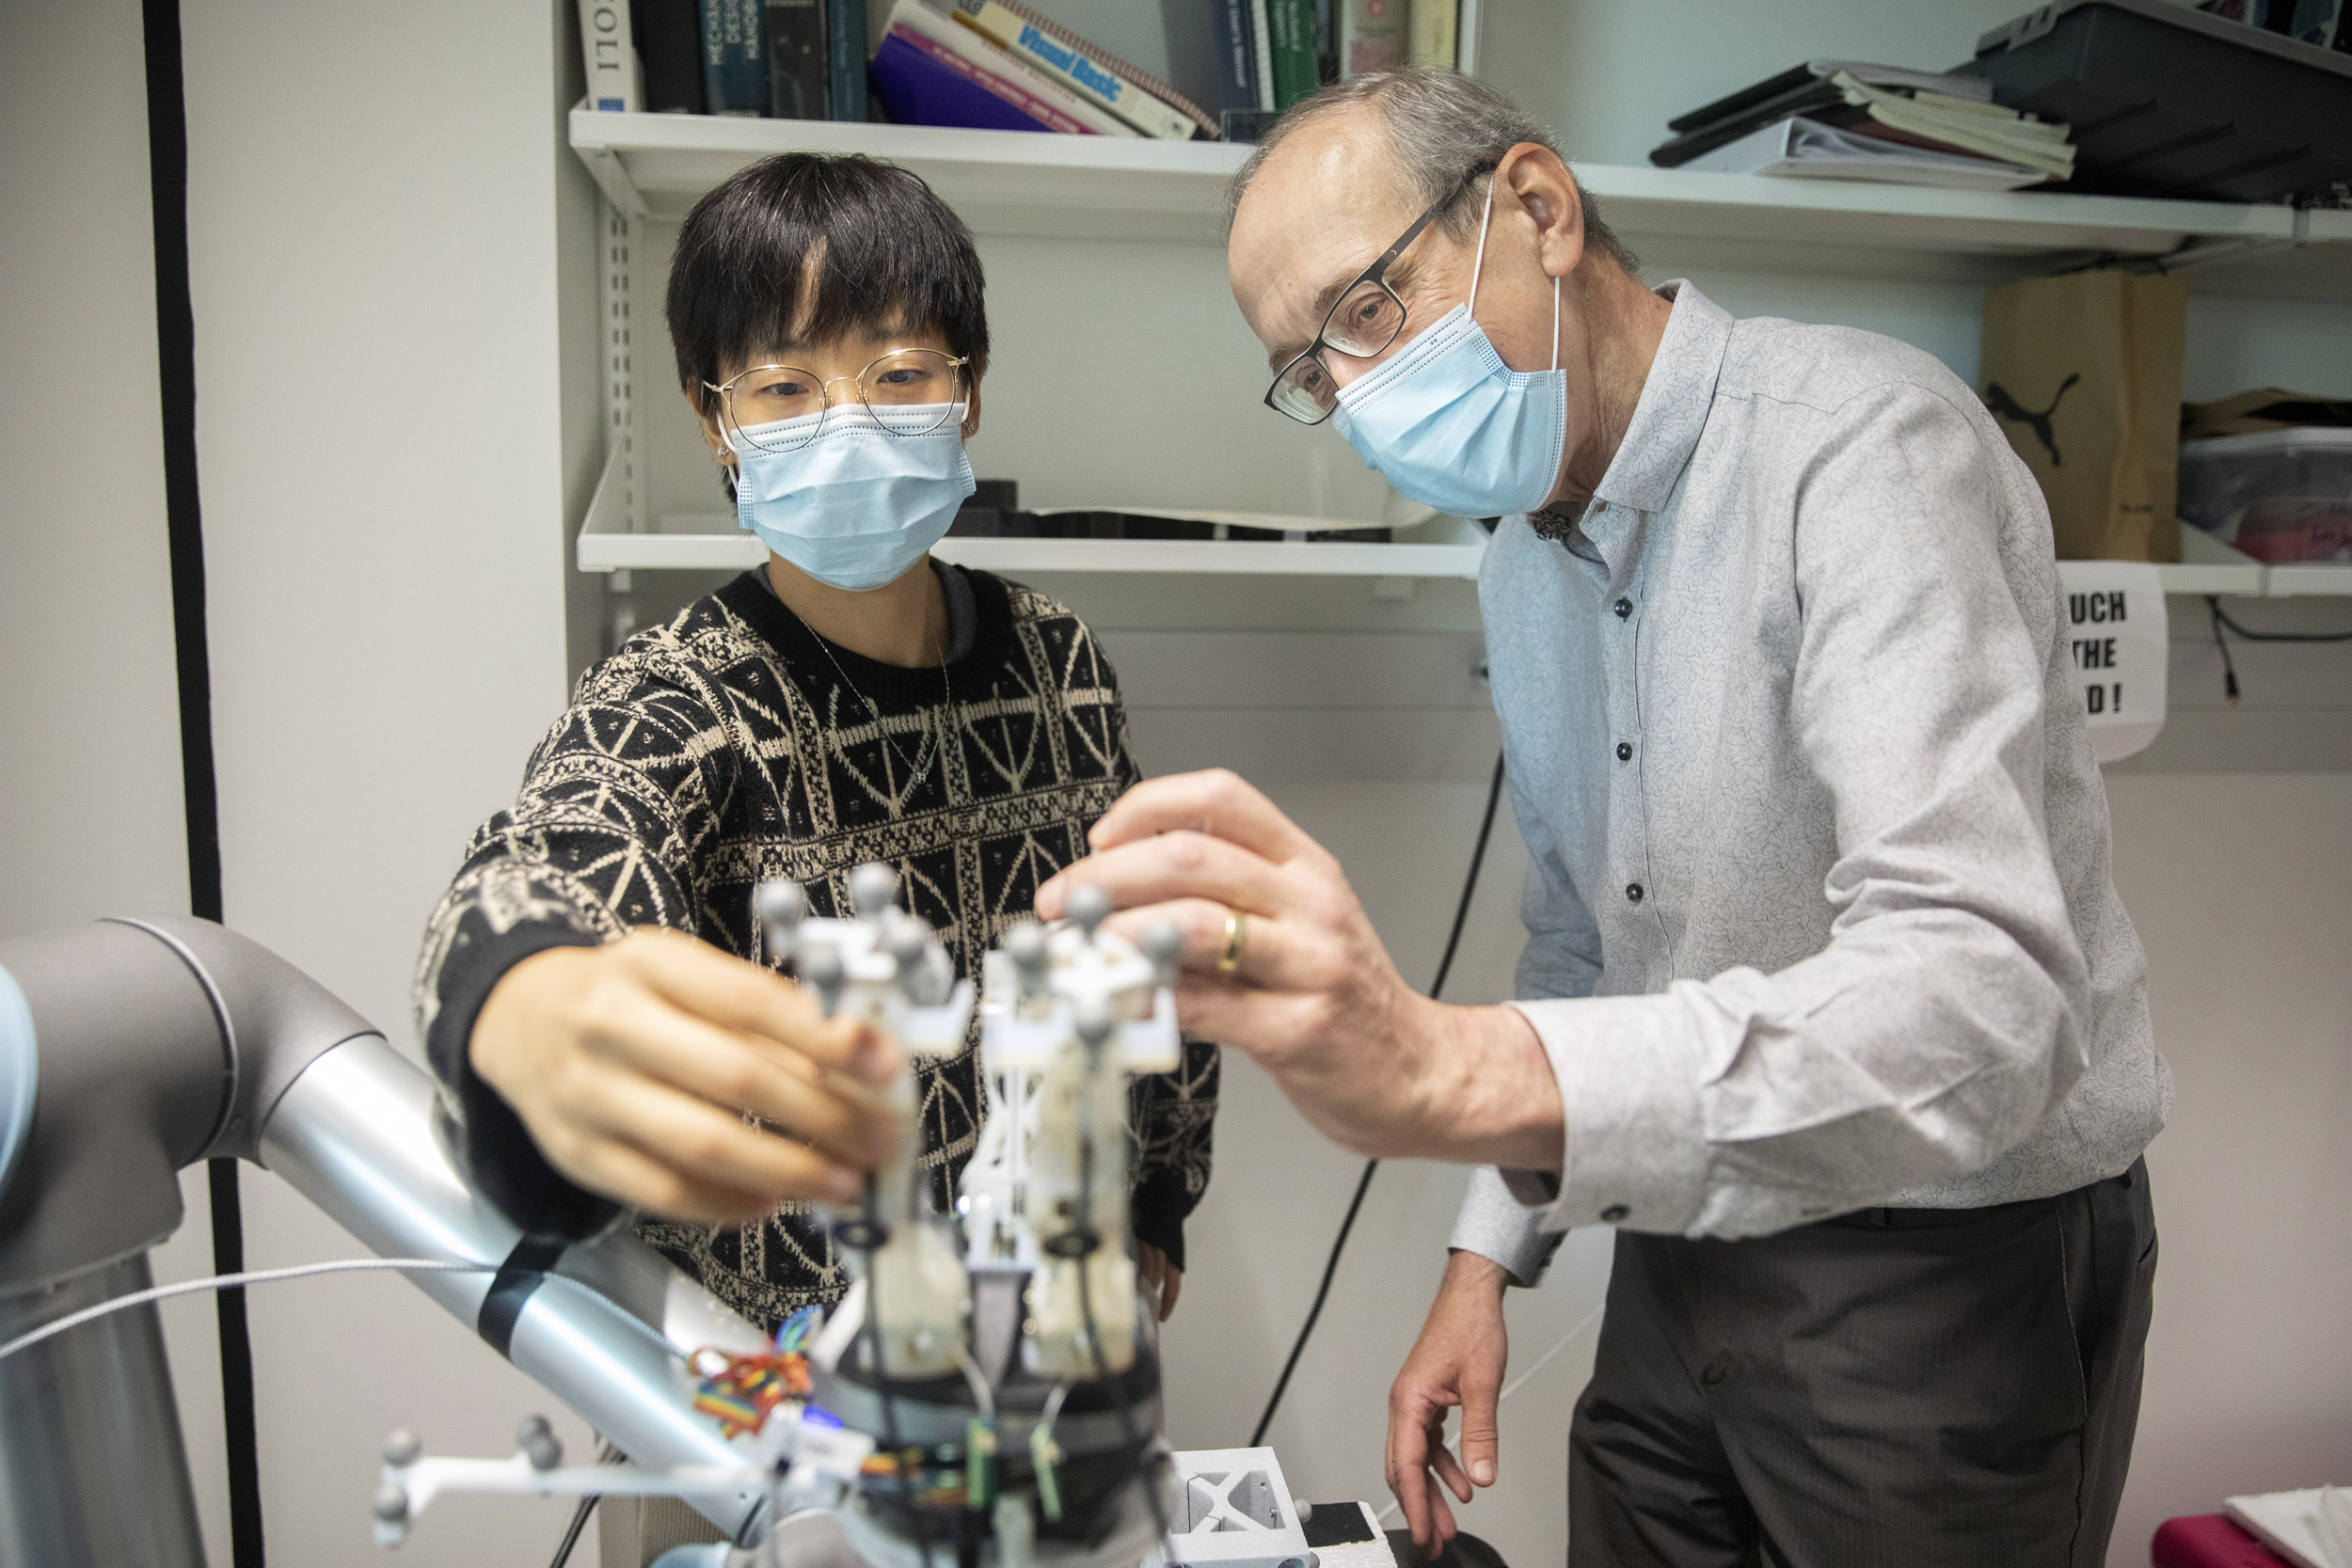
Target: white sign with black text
2114, 627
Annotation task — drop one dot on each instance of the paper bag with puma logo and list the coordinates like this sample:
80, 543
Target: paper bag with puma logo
2084, 373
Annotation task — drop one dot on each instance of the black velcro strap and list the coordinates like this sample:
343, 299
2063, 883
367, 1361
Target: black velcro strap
517, 1277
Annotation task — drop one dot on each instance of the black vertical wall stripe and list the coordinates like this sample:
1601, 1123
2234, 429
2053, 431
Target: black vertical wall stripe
175, 344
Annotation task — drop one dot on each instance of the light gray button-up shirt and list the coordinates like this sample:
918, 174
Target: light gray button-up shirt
1819, 915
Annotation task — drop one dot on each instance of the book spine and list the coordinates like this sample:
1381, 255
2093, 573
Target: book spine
845, 54
608, 55
670, 41
1237, 72
1430, 42
1326, 43
1372, 35
1262, 54
1074, 69
799, 69
735, 57
975, 51
1290, 26
1045, 113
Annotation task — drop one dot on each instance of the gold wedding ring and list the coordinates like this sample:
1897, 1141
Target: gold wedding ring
1236, 935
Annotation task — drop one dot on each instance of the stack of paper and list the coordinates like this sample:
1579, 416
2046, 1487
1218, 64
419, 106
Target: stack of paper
1846, 120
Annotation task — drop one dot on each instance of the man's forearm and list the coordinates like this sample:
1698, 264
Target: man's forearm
1488, 1093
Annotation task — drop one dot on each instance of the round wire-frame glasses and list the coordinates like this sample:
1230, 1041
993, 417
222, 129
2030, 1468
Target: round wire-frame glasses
779, 407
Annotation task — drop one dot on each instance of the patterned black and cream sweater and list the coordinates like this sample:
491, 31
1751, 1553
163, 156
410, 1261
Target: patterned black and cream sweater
725, 747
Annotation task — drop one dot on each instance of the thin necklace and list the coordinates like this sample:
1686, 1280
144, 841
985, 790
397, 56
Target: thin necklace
930, 744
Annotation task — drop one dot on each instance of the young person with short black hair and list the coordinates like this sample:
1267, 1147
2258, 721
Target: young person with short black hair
593, 993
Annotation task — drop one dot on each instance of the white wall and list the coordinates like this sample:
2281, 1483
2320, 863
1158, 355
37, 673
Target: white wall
373, 194
89, 714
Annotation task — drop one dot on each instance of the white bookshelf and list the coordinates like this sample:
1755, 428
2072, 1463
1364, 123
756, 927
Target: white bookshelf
654, 167
1013, 183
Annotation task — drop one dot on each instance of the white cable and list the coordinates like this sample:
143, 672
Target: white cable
1519, 1383
229, 1281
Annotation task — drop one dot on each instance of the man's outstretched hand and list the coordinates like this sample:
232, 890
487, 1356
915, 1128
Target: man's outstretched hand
1378, 1067
1459, 1360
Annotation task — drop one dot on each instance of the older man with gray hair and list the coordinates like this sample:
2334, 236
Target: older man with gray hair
1828, 1005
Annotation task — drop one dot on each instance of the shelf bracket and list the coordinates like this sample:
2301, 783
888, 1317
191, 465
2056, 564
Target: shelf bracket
618, 235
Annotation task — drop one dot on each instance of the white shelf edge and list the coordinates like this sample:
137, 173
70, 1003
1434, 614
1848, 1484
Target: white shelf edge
2319, 578
602, 548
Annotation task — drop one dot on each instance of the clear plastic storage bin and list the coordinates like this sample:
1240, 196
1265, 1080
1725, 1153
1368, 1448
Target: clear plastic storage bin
2280, 495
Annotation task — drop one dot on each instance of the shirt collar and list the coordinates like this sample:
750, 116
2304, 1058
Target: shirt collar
1674, 405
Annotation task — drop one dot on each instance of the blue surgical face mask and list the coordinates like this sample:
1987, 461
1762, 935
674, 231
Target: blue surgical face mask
1449, 426
855, 506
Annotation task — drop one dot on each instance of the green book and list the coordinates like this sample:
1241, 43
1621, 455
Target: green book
1291, 27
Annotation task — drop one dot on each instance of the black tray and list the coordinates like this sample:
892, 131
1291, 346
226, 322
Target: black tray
2168, 102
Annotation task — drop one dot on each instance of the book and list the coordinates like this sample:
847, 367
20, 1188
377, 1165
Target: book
1291, 28
1372, 35
735, 57
1802, 148
1236, 59
800, 67
608, 57
1814, 76
1430, 41
923, 44
1985, 129
1262, 53
1953, 112
1057, 54
845, 53
670, 42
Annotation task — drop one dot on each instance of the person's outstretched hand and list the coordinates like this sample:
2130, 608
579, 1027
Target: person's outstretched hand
633, 1065
1458, 1361
1378, 1067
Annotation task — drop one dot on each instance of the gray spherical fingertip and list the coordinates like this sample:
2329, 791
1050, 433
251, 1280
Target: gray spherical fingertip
1094, 1020
401, 1447
781, 905
1024, 945
873, 889
391, 1502
1089, 905
1164, 944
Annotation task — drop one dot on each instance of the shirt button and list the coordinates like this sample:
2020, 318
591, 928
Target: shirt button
1625, 750
1632, 893
1614, 1212
1624, 608
1714, 1375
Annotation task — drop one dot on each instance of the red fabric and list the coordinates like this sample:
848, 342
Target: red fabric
2209, 1541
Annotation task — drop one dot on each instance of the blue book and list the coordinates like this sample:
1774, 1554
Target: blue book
919, 88
1236, 57
845, 27
735, 57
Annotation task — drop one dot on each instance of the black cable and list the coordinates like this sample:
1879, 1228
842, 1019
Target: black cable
2221, 617
2229, 665
183, 526
607, 1453
1363, 1183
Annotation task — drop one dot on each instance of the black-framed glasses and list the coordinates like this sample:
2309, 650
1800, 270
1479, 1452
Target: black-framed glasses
909, 391
1362, 324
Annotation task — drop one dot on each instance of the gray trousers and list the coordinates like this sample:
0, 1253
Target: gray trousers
1895, 1386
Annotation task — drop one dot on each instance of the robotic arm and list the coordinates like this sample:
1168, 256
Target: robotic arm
988, 1392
